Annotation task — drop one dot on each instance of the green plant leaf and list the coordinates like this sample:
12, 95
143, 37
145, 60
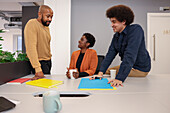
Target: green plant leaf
22, 57
1, 31
6, 56
1, 39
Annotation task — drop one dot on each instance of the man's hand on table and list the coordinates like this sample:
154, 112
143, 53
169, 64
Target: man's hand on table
115, 83
38, 75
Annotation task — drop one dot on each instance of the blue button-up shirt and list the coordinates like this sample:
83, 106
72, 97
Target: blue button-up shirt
130, 45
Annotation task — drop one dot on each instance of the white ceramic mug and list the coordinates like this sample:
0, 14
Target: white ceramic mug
51, 101
71, 73
113, 73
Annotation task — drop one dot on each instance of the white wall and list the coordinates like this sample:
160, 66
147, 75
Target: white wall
90, 16
7, 44
60, 34
85, 16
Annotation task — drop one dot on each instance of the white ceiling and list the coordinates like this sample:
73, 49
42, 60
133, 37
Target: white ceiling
7, 5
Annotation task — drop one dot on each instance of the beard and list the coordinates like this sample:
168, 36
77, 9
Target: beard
45, 22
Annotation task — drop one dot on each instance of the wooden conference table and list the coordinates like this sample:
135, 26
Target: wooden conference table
138, 95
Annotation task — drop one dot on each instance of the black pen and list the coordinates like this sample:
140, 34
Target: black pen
97, 77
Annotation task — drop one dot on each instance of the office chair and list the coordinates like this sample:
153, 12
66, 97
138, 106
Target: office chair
100, 59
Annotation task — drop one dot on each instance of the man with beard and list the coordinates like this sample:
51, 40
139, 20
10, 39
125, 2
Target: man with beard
37, 42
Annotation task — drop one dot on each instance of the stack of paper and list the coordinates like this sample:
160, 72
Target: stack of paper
45, 83
18, 81
97, 84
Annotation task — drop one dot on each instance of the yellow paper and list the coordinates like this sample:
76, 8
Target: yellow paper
45, 83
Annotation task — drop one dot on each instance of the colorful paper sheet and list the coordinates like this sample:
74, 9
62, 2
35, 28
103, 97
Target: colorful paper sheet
18, 81
86, 84
46, 83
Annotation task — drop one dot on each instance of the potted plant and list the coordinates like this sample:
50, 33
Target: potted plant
10, 67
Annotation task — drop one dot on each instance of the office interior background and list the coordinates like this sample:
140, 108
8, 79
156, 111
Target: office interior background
71, 19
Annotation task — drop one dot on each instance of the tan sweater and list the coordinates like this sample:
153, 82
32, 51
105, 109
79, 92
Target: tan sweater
37, 43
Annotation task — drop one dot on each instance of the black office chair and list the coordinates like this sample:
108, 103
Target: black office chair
100, 59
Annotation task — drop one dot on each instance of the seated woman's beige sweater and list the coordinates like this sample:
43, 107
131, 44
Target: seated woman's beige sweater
37, 42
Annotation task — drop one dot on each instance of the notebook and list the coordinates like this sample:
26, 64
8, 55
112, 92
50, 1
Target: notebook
18, 81
97, 84
5, 104
45, 83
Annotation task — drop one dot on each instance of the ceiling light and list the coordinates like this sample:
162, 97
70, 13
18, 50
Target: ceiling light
27, 3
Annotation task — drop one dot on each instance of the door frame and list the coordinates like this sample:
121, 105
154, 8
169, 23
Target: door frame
149, 16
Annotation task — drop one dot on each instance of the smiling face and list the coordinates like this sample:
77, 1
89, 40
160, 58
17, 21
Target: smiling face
46, 16
83, 43
117, 25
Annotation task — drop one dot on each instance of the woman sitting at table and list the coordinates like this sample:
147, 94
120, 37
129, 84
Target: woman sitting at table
84, 60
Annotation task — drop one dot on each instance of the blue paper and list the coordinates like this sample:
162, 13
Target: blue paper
85, 83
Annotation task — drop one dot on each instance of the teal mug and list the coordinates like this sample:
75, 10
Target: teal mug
51, 101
